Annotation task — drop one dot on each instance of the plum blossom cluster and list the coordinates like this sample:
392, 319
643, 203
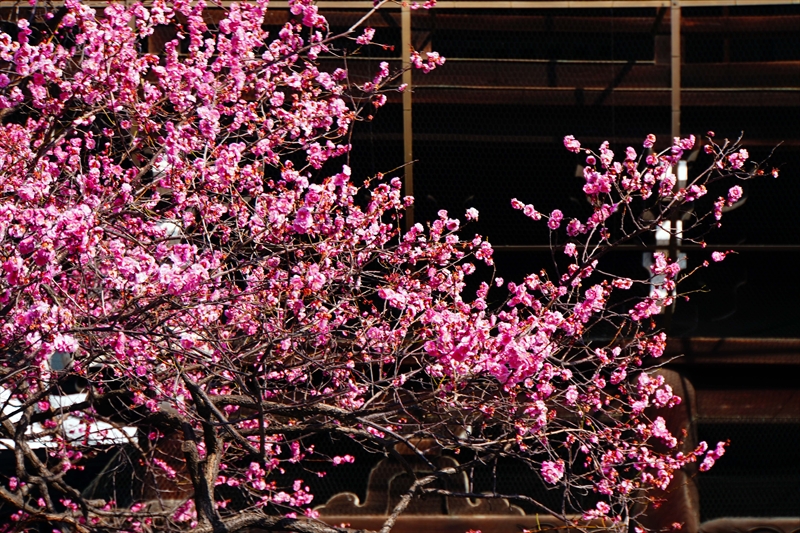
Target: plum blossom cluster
568, 306
163, 222
181, 237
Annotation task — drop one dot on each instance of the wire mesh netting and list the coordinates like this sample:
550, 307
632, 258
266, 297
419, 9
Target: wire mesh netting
488, 127
758, 476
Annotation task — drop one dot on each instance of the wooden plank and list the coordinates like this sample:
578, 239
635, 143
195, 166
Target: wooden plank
781, 405
455, 524
552, 140
534, 22
538, 96
775, 74
710, 350
738, 26
569, 75
509, 74
578, 96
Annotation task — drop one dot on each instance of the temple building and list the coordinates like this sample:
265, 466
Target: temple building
488, 127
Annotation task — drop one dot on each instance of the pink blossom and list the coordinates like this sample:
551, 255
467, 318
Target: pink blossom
531, 213
168, 470
303, 221
555, 219
379, 100
316, 279
574, 228
431, 61
712, 456
734, 194
572, 144
366, 37
659, 430
718, 205
738, 159
694, 192
622, 283
376, 432
665, 398
65, 343
606, 155
552, 471
571, 396
185, 512
601, 510
687, 143
645, 309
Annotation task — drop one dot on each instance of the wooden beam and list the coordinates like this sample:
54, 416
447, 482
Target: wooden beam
572, 75
533, 22
543, 73
675, 68
733, 350
408, 523
741, 25
536, 22
408, 132
581, 96
553, 140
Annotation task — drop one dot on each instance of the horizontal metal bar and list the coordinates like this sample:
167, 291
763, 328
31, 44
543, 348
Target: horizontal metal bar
744, 248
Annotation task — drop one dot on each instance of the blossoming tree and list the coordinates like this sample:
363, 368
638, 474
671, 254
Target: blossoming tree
179, 236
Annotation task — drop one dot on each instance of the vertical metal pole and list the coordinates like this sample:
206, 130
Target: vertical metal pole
675, 68
408, 137
675, 65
